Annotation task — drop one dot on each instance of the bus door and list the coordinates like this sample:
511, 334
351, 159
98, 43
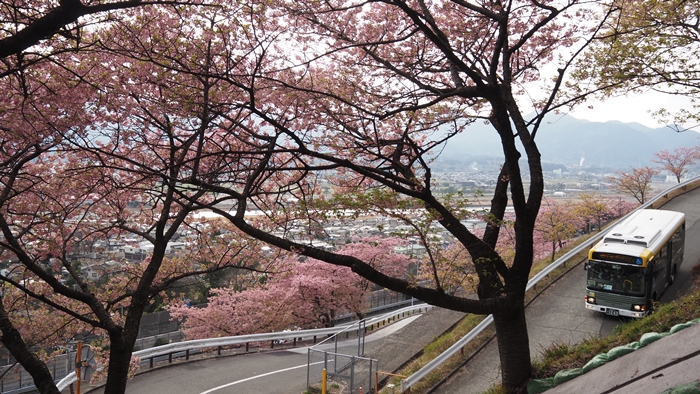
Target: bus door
649, 274
659, 272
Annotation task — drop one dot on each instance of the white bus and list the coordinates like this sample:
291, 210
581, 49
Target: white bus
635, 262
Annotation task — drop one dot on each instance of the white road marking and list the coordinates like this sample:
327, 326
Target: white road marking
371, 337
375, 335
256, 376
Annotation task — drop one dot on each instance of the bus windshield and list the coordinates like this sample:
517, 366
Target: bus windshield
617, 278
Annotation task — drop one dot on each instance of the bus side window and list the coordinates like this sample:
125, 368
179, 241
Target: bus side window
661, 259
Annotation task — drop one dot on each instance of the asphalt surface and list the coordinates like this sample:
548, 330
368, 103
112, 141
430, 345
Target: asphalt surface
284, 371
558, 316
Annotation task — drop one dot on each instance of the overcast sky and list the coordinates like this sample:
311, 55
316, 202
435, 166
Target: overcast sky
631, 109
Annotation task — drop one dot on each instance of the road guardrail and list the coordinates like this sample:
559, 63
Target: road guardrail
187, 347
411, 380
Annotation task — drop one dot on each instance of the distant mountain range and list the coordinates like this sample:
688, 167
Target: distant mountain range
573, 143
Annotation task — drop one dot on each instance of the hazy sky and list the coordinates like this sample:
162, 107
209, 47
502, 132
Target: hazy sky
630, 109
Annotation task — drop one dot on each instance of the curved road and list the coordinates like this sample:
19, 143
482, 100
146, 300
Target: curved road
557, 316
273, 372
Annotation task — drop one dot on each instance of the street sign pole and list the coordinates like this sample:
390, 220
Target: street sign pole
85, 364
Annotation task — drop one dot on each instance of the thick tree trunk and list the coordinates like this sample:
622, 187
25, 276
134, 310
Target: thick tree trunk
513, 348
121, 346
119, 361
14, 343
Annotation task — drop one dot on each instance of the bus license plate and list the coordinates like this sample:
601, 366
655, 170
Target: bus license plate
612, 312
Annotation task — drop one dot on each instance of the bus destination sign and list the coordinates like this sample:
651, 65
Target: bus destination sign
618, 258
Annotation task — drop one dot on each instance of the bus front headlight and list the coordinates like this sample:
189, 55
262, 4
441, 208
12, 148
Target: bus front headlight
590, 299
638, 307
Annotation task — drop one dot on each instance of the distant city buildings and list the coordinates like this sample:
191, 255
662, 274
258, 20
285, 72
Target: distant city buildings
106, 256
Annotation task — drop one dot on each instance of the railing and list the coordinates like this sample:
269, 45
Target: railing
410, 381
407, 383
15, 380
341, 367
185, 349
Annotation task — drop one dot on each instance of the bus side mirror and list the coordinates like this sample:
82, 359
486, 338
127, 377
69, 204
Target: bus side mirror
585, 267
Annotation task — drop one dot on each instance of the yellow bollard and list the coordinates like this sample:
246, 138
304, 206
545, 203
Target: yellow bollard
324, 380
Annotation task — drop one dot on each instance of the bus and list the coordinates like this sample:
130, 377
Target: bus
634, 263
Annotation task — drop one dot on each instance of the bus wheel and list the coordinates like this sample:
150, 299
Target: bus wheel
673, 275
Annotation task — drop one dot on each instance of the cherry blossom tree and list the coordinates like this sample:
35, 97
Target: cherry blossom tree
649, 45
678, 161
296, 293
367, 94
256, 105
92, 149
619, 207
37, 114
29, 132
556, 223
636, 183
41, 226
362, 96
591, 208
26, 24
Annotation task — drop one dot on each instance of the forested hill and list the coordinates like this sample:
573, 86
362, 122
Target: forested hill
569, 141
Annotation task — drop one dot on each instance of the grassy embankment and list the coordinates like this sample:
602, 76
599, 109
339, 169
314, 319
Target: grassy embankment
568, 356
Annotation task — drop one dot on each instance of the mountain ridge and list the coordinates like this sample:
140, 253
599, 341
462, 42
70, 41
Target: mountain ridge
570, 141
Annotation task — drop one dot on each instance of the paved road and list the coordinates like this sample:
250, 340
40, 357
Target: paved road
558, 315
272, 372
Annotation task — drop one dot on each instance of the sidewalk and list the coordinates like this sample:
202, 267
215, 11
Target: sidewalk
665, 364
407, 343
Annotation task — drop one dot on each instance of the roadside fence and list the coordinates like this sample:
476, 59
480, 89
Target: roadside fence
346, 370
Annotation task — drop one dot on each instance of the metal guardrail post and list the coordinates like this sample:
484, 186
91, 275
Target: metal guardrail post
352, 373
308, 362
335, 354
359, 341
